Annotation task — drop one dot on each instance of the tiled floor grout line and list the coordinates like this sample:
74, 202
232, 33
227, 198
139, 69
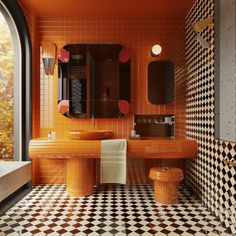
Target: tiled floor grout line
111, 210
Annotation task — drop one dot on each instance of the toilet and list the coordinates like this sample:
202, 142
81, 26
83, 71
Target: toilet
166, 184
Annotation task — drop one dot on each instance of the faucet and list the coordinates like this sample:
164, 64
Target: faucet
93, 122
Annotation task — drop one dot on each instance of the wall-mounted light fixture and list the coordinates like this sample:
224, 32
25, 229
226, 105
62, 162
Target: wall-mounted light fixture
198, 27
202, 24
49, 61
48, 65
156, 50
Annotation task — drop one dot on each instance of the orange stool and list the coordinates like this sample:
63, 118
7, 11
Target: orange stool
166, 184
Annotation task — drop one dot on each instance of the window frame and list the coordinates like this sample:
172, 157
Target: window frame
16, 21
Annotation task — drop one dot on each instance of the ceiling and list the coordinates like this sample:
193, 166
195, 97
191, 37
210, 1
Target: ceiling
110, 9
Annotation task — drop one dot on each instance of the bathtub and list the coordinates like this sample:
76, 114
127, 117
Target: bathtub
13, 175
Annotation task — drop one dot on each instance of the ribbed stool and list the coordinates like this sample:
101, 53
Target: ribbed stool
166, 184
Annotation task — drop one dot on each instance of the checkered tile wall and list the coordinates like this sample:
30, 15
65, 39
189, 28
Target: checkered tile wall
209, 177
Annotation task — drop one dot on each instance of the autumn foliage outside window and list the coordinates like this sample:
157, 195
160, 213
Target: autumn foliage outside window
6, 92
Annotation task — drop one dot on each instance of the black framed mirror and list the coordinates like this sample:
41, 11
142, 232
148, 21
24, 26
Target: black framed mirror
160, 82
94, 80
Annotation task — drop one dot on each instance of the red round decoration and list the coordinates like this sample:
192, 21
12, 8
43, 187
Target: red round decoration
63, 106
124, 55
123, 106
63, 55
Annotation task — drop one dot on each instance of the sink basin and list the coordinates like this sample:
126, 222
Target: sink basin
90, 134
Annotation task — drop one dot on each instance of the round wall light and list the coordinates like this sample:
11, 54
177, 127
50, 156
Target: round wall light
156, 50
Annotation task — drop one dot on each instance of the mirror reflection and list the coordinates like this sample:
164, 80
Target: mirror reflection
93, 81
160, 82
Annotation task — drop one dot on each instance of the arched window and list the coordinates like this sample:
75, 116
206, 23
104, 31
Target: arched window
17, 84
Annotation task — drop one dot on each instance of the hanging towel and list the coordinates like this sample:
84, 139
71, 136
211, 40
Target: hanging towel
113, 161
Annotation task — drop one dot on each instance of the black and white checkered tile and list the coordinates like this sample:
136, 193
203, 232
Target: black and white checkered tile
111, 210
211, 179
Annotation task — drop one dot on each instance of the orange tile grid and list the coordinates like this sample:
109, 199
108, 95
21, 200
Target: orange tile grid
138, 36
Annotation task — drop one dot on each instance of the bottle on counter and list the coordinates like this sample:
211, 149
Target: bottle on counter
133, 133
50, 135
53, 134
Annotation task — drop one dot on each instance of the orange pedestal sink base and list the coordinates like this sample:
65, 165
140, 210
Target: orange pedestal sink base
80, 177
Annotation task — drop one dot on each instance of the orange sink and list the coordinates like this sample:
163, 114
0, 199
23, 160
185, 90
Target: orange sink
90, 134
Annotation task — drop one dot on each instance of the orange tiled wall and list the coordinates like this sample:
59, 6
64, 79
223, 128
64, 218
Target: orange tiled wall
138, 36
48, 171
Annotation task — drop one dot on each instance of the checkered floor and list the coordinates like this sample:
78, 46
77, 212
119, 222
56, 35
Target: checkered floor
113, 210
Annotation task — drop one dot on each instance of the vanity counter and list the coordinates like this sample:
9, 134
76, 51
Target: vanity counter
151, 148
64, 148
80, 157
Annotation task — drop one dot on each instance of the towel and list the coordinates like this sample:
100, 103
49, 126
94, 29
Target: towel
113, 161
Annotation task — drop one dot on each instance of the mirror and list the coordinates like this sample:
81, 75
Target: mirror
95, 80
160, 82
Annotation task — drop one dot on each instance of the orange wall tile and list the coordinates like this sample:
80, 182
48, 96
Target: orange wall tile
138, 36
111, 10
48, 171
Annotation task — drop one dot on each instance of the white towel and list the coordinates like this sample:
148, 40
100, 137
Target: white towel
113, 161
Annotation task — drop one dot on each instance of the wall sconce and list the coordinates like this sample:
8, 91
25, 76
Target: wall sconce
202, 24
48, 65
202, 41
156, 50
49, 62
198, 27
